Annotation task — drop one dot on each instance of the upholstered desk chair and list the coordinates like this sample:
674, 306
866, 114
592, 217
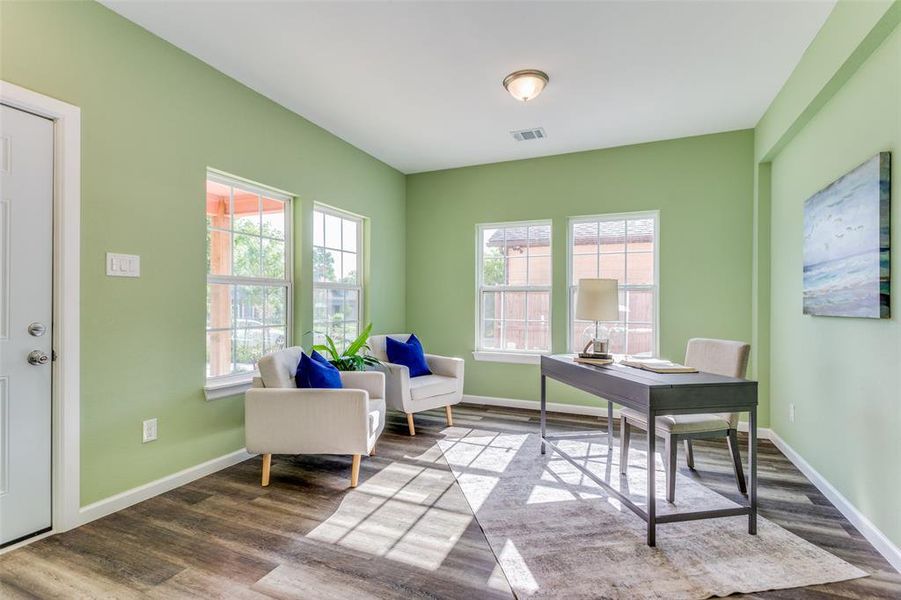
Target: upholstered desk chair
279, 418
722, 357
444, 387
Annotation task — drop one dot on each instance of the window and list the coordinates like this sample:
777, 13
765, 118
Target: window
514, 287
621, 247
249, 276
337, 276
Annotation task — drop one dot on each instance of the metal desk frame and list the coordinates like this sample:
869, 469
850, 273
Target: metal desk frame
655, 394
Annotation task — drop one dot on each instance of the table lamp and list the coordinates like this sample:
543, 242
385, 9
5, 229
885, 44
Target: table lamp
597, 300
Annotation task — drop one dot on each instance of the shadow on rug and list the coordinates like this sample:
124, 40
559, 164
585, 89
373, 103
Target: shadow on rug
557, 534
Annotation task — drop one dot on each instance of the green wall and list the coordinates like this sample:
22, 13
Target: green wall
153, 120
701, 185
841, 374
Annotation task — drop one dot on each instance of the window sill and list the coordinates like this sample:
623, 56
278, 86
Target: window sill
230, 386
518, 358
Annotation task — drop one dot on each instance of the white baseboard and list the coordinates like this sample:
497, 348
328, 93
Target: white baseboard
107, 506
575, 409
885, 546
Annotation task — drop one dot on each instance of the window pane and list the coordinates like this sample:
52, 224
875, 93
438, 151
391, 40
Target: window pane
332, 231
613, 266
219, 306
539, 240
275, 339
218, 353
539, 270
249, 302
539, 306
640, 268
318, 228
641, 235
218, 205
350, 235
514, 306
348, 267
246, 255
248, 348
516, 270
612, 236
585, 266
491, 305
273, 259
492, 331
493, 267
323, 265
335, 306
276, 299
641, 306
247, 212
641, 339
219, 255
320, 306
516, 240
273, 218
352, 305
539, 338
585, 238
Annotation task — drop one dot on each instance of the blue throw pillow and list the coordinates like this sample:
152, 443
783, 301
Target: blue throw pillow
316, 372
409, 354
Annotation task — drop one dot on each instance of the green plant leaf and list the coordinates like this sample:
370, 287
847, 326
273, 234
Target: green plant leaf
358, 343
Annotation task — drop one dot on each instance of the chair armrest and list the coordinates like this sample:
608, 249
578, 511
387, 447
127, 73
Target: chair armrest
300, 421
371, 381
445, 365
397, 385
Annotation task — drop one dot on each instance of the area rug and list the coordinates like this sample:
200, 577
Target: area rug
557, 534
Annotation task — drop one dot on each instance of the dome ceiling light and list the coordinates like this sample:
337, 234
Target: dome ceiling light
526, 84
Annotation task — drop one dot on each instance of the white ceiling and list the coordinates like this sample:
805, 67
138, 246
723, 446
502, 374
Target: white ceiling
418, 84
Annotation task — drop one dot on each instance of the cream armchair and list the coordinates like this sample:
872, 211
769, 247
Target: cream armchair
279, 418
444, 387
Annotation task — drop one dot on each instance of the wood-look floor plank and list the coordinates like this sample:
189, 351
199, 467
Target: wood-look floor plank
225, 536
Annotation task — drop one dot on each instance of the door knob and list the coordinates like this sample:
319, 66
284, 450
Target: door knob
36, 357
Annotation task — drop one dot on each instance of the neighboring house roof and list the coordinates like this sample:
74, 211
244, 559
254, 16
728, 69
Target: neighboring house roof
612, 232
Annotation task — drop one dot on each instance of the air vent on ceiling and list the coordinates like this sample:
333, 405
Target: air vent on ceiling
524, 135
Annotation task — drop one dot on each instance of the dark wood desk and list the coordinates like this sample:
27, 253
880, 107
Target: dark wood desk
656, 394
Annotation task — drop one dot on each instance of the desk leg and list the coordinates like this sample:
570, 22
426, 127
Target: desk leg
543, 409
610, 428
752, 460
652, 480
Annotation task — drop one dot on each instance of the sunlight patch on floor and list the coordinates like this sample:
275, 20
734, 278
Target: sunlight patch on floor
407, 513
518, 573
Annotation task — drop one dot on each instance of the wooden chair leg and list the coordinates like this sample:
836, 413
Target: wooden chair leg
355, 471
671, 445
625, 431
450, 415
267, 465
689, 455
410, 424
732, 440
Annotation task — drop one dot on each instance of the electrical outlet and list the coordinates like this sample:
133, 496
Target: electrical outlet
149, 430
791, 413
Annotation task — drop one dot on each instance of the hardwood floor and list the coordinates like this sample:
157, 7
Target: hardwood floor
225, 536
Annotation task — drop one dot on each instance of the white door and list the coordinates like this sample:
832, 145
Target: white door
26, 294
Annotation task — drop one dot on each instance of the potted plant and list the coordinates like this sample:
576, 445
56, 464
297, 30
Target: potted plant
354, 358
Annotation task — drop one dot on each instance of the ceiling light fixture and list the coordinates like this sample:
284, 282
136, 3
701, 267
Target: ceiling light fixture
526, 84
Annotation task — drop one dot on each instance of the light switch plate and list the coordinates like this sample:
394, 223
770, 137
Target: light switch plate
123, 265
149, 430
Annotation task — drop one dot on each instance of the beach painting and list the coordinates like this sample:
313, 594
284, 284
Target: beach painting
846, 244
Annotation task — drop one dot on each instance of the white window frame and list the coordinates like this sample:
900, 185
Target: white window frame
511, 356
328, 285
655, 287
236, 383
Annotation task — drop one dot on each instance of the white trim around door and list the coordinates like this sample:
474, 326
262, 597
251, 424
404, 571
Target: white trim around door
66, 284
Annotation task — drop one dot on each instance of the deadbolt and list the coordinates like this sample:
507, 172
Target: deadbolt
37, 329
36, 357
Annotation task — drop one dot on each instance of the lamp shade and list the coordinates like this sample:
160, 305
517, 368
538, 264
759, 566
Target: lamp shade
597, 300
